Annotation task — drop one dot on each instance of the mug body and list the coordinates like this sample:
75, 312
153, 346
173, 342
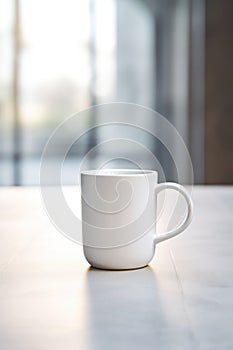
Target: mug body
118, 217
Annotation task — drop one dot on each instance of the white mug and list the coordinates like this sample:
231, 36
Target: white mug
119, 217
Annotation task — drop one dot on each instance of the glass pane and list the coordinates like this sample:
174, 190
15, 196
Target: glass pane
78, 53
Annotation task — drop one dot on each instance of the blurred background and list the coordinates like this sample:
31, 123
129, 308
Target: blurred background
60, 57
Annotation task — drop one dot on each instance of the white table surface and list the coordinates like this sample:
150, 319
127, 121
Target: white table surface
51, 299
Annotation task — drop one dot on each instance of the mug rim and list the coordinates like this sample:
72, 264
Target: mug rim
119, 172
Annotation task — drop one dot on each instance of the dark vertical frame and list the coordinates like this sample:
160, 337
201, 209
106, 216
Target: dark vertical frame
163, 51
15, 88
197, 88
92, 135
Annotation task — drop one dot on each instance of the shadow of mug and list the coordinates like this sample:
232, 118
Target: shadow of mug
125, 310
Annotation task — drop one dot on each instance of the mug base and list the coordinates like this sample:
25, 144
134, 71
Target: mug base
118, 269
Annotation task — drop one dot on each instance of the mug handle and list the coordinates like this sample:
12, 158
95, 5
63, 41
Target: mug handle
186, 221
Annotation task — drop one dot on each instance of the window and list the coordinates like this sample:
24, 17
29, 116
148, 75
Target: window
59, 57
